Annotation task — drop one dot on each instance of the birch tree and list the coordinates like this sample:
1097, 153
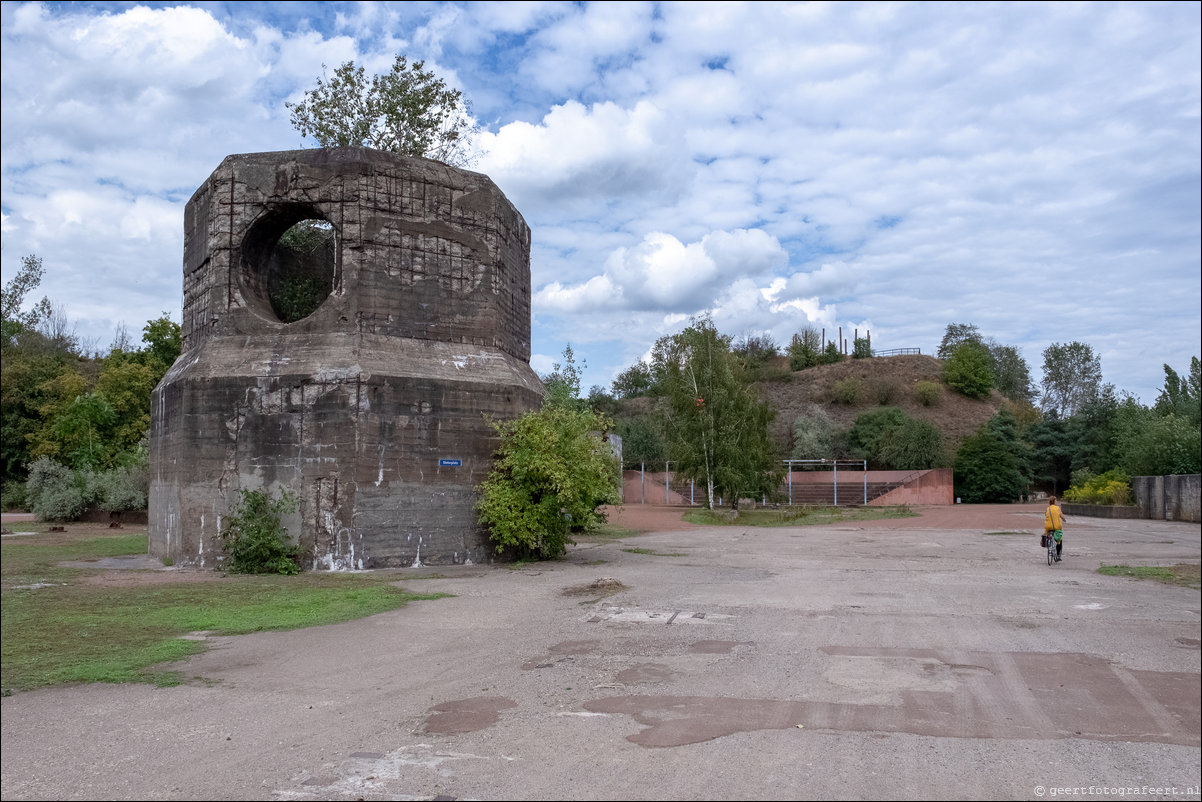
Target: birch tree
717, 429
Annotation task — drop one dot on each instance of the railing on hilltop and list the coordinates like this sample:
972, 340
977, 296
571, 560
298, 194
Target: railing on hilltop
897, 352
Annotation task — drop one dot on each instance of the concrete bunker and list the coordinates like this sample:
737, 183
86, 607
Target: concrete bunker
350, 318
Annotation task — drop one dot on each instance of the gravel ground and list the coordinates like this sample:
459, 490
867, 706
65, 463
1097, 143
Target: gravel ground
937, 657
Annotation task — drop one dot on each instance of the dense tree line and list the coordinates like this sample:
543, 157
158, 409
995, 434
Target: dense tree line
74, 422
1077, 428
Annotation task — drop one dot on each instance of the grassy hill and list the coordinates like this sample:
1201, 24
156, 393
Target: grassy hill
883, 381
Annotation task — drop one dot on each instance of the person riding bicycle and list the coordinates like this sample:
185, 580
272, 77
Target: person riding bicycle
1053, 525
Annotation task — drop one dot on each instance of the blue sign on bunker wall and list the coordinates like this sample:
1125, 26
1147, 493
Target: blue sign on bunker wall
451, 462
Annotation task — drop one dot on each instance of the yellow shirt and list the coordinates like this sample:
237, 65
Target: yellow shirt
1053, 519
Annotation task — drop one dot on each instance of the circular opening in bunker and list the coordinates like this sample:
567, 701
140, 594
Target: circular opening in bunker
290, 258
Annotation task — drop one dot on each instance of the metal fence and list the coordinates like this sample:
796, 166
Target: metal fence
647, 483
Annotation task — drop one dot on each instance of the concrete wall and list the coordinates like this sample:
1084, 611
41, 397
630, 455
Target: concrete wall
1101, 511
371, 410
931, 487
1170, 498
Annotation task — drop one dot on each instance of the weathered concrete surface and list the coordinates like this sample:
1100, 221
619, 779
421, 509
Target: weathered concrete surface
926, 658
1169, 498
371, 410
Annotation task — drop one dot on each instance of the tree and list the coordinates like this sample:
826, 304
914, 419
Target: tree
891, 440
1182, 397
956, 335
967, 370
861, 348
813, 434
863, 439
563, 382
805, 349
1072, 376
831, 355
641, 440
1011, 375
992, 465
407, 110
717, 430
1164, 445
633, 382
164, 340
915, 445
13, 321
1051, 453
553, 469
754, 349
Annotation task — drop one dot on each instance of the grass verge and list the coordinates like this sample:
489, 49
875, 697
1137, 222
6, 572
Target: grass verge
655, 553
59, 629
796, 516
1184, 574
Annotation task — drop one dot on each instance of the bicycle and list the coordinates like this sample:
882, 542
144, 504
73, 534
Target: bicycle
1052, 556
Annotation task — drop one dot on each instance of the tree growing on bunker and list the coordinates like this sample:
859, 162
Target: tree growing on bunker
254, 537
407, 110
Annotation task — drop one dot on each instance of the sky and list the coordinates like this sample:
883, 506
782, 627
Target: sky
1031, 169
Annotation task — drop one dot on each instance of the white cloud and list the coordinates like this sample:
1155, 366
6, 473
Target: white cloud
773, 164
587, 155
662, 273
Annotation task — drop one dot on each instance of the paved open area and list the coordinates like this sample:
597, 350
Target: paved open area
936, 657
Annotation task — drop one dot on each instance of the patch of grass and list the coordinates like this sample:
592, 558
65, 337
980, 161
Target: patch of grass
27, 561
1184, 574
655, 553
796, 516
74, 632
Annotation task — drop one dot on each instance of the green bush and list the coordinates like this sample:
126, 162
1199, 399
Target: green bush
928, 393
804, 349
53, 492
914, 445
861, 349
831, 355
987, 471
254, 537
123, 490
12, 496
1112, 487
552, 471
847, 391
298, 298
969, 370
813, 434
884, 390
